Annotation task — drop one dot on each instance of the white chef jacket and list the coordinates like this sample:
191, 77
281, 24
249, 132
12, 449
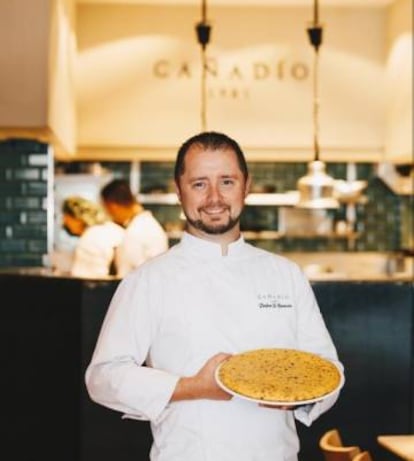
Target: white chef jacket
144, 238
181, 308
95, 250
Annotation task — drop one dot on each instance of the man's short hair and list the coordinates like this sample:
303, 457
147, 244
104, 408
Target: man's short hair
209, 140
118, 191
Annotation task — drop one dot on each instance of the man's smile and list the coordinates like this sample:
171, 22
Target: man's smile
214, 211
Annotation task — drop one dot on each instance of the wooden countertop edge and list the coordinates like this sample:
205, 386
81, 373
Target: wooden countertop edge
48, 273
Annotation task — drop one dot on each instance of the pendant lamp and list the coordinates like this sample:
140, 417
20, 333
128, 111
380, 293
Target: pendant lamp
203, 30
316, 188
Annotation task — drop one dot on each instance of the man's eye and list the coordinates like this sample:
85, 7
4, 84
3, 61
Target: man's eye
198, 185
228, 182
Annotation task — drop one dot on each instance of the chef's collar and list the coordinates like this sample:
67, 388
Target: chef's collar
211, 249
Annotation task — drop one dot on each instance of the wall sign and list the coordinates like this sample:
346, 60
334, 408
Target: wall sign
233, 80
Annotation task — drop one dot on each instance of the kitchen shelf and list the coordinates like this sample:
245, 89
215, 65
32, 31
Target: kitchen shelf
255, 199
276, 235
286, 199
328, 235
159, 199
262, 235
289, 198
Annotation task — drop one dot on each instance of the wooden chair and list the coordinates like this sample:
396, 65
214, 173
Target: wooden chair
363, 456
334, 450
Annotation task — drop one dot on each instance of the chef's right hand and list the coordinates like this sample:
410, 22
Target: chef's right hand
203, 384
206, 381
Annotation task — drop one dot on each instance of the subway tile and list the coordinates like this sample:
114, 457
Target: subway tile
33, 217
38, 188
13, 246
10, 188
28, 146
37, 246
35, 231
10, 217
20, 260
37, 160
27, 174
21, 203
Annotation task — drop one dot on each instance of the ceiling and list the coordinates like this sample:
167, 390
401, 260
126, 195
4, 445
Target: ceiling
346, 3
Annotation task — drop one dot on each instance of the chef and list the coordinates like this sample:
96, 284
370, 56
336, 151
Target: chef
144, 236
95, 250
184, 312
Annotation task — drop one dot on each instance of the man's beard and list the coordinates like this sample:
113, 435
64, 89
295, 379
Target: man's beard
214, 229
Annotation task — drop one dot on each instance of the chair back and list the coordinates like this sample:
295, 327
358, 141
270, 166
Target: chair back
363, 456
331, 438
334, 450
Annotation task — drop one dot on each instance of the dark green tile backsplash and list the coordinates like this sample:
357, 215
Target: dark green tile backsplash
378, 220
384, 222
23, 191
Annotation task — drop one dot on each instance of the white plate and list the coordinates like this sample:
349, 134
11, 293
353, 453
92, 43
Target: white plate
276, 402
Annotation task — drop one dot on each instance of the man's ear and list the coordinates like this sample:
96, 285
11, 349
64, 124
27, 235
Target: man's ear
248, 186
177, 190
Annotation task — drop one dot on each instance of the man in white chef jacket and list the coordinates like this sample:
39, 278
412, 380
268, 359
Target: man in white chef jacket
144, 236
185, 311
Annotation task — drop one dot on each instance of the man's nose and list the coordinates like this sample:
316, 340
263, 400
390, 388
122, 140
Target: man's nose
214, 193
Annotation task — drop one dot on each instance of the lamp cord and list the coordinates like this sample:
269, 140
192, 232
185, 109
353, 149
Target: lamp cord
203, 114
315, 37
203, 37
316, 104
203, 111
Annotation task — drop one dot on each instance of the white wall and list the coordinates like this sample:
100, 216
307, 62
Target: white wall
104, 95
122, 103
399, 128
24, 34
37, 62
62, 74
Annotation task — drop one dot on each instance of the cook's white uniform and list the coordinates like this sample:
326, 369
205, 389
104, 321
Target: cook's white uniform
95, 250
181, 308
144, 238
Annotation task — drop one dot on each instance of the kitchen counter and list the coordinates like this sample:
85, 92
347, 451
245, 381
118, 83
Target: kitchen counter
320, 266
48, 273
339, 276
355, 266
53, 321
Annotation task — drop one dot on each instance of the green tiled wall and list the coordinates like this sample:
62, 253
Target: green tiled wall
379, 220
407, 222
23, 211
384, 222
